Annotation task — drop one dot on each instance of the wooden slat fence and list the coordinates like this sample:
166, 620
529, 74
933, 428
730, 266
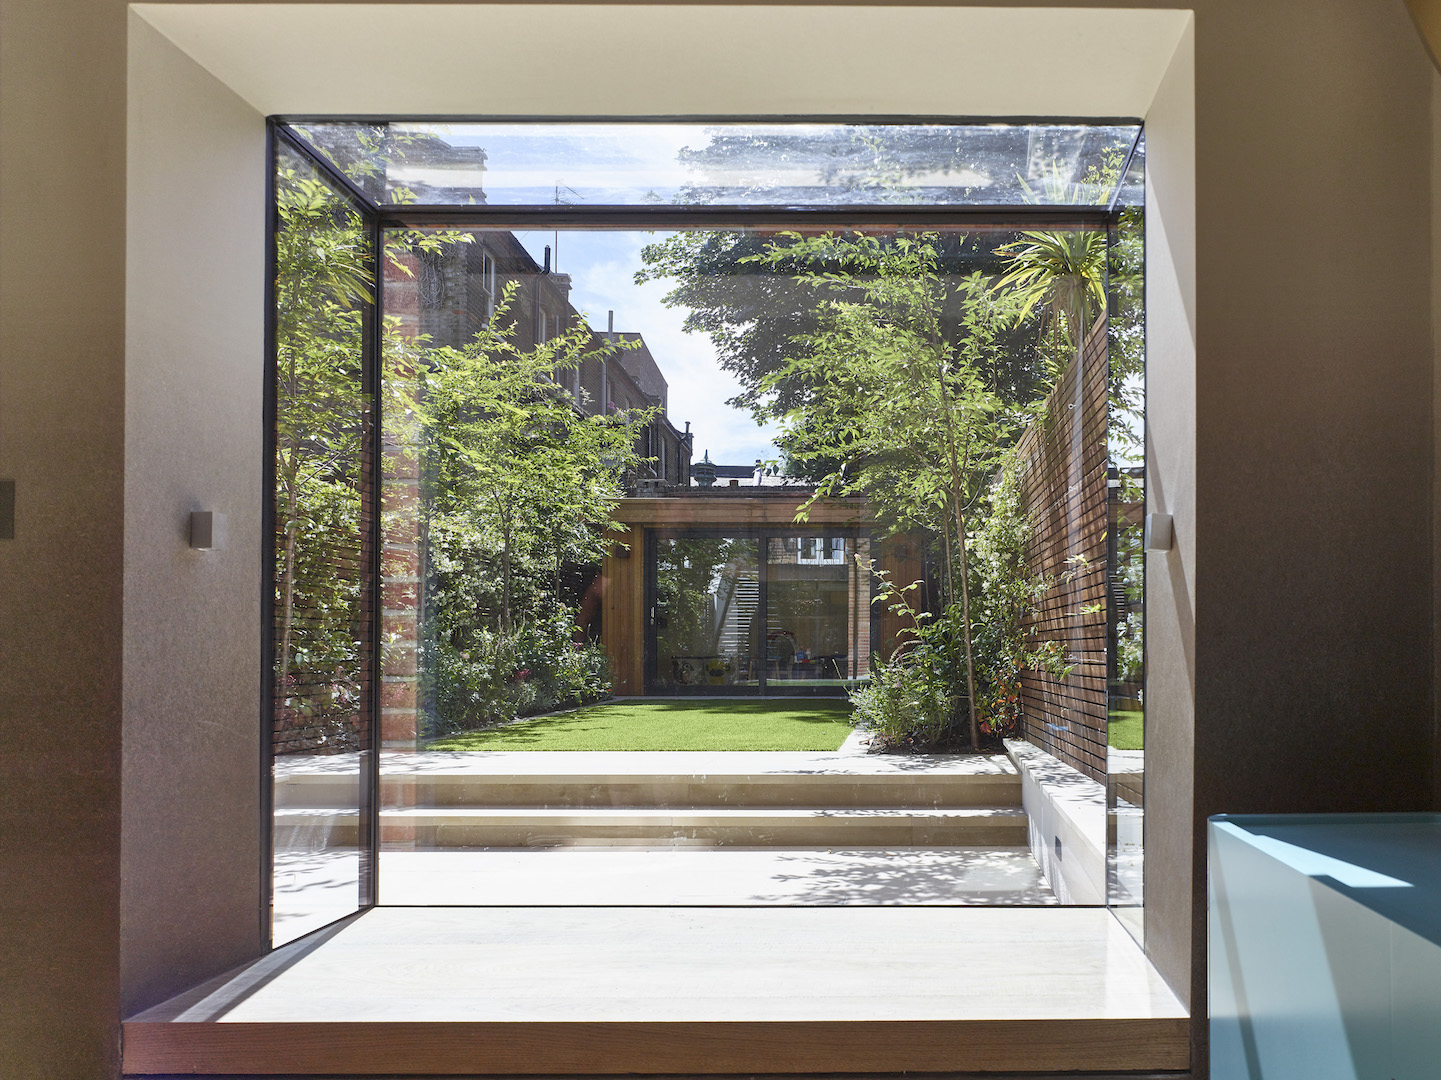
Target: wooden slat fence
1063, 488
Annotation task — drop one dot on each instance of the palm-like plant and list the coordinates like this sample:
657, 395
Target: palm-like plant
1062, 271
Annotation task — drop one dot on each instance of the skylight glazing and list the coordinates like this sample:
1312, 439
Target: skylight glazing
728, 164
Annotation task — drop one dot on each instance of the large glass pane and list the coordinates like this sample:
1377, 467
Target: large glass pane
631, 478
818, 612
751, 164
707, 614
1126, 438
322, 632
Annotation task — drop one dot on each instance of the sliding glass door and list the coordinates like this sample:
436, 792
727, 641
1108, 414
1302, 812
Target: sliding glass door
722, 620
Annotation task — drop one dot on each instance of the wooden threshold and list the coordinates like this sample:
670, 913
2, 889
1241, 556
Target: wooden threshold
523, 1048
609, 991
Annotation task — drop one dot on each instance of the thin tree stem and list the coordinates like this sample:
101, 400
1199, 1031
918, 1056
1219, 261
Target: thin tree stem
958, 502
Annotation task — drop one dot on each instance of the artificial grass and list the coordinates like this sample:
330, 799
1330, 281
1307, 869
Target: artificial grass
673, 725
1124, 731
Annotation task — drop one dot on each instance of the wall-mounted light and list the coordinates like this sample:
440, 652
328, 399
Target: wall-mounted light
207, 530
1160, 535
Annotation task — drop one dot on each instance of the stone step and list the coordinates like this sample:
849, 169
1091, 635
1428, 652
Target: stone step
977, 782
521, 827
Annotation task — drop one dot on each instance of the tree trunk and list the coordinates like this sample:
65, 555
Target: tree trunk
958, 502
950, 572
975, 727
287, 586
505, 575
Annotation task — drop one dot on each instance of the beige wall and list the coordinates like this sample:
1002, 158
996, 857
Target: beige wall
1306, 562
62, 372
1314, 426
1171, 489
190, 872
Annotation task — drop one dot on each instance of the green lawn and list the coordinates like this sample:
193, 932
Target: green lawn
673, 725
1124, 730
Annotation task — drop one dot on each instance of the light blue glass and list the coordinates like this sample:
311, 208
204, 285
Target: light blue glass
1325, 946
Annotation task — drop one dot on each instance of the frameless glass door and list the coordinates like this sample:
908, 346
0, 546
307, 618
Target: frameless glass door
721, 620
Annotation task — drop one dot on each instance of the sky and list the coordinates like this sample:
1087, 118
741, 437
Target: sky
634, 164
602, 266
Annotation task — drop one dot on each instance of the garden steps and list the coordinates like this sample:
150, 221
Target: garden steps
514, 827
521, 799
658, 779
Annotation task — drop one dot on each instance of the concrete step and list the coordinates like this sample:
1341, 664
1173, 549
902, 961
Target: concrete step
489, 782
522, 827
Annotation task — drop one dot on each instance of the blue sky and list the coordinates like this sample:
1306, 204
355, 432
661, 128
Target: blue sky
602, 266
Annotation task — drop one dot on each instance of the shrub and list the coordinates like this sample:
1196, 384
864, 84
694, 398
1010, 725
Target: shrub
906, 703
496, 678
918, 698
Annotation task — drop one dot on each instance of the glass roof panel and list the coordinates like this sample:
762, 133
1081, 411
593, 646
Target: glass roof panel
732, 164
1132, 191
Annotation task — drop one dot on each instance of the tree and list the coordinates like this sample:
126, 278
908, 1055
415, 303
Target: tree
323, 283
519, 482
512, 453
757, 310
898, 407
1063, 273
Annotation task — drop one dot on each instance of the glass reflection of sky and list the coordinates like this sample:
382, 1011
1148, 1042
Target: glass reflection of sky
665, 163
756, 164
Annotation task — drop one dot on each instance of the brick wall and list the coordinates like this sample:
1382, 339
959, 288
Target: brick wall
402, 550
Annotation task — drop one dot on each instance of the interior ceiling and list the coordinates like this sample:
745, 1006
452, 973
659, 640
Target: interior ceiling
640, 60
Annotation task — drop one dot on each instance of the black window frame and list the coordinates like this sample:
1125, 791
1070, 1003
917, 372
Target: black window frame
379, 217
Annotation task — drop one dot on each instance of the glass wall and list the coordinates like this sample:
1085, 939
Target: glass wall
1126, 595
721, 622
818, 613
671, 415
322, 603
743, 163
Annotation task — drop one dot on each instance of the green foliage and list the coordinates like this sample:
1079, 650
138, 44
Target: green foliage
887, 394
513, 466
1006, 592
323, 281
1130, 566
496, 677
1064, 273
907, 703
899, 411
518, 494
760, 297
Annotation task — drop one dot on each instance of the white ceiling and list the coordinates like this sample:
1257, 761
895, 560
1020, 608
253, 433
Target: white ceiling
686, 60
